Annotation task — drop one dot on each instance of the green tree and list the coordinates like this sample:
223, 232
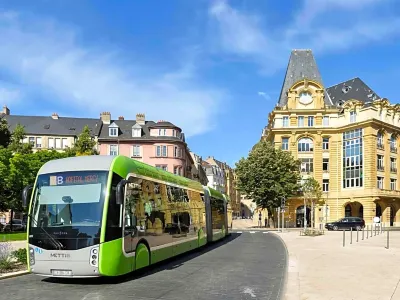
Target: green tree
5, 134
267, 175
85, 144
312, 192
5, 156
17, 145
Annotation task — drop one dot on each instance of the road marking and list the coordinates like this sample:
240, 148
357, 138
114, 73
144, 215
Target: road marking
249, 291
265, 232
252, 232
239, 231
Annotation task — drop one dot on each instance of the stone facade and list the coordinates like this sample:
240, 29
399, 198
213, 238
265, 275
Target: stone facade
346, 137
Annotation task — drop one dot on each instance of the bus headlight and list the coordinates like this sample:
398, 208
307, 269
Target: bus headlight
31, 256
94, 257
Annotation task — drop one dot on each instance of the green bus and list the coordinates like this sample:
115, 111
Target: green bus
93, 216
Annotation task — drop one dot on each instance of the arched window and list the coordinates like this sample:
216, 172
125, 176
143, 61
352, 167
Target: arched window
305, 145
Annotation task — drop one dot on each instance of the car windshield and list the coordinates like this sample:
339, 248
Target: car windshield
69, 199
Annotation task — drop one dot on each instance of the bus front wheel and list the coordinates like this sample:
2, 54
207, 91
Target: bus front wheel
142, 256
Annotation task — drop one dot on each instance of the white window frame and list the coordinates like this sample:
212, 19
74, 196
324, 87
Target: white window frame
326, 121
160, 149
300, 121
310, 121
64, 143
51, 141
305, 145
162, 132
285, 121
379, 182
325, 185
59, 144
32, 141
133, 151
285, 143
136, 132
111, 151
353, 116
39, 142
393, 184
325, 143
113, 131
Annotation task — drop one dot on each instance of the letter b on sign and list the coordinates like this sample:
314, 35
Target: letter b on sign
59, 180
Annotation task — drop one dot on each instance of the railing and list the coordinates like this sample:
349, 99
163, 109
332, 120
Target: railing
379, 145
380, 168
393, 149
393, 170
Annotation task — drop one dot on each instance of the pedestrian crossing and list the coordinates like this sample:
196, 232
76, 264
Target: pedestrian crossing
252, 232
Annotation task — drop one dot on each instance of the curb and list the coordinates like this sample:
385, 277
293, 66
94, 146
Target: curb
14, 274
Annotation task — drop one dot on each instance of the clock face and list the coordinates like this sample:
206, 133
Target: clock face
305, 98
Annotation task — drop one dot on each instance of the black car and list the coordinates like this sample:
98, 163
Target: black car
346, 223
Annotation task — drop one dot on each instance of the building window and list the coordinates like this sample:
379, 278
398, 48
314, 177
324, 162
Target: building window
325, 185
379, 140
393, 184
174, 132
379, 182
285, 121
393, 165
310, 121
162, 167
325, 143
325, 165
393, 142
300, 121
380, 163
305, 145
113, 150
326, 121
285, 143
161, 151
113, 131
32, 141
58, 143
136, 132
177, 152
136, 151
307, 165
352, 159
162, 132
38, 142
51, 143
65, 143
353, 116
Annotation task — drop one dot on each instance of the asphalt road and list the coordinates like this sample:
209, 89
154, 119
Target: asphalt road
248, 265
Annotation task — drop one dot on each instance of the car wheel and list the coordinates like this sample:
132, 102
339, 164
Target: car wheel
335, 228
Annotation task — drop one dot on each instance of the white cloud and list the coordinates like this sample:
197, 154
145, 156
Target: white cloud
46, 56
321, 25
263, 94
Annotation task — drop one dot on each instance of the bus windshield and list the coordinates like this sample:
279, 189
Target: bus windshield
69, 199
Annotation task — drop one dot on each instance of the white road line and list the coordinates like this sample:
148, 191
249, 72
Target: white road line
239, 231
252, 232
265, 232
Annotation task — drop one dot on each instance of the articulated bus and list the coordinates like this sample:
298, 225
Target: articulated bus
93, 216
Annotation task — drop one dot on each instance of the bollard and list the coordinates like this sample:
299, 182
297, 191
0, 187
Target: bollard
387, 241
371, 230
375, 230
351, 235
363, 233
357, 235
367, 231
344, 237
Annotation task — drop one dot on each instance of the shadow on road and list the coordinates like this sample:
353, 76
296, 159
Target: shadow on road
169, 264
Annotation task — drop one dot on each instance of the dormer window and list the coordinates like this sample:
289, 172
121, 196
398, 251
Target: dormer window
162, 132
136, 132
113, 130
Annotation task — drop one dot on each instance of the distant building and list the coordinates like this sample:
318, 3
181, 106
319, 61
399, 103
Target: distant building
198, 172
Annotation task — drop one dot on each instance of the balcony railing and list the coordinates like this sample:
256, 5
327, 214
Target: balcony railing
393, 149
379, 145
393, 170
380, 168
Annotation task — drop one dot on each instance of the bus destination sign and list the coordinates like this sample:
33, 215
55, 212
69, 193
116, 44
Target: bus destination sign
77, 179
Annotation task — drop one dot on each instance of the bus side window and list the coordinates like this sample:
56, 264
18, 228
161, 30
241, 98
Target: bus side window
113, 231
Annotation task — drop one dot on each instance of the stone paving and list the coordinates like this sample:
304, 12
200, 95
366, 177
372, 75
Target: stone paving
321, 268
244, 266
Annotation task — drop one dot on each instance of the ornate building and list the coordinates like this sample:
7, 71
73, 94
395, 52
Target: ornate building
345, 136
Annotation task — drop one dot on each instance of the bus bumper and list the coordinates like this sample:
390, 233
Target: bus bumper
63, 263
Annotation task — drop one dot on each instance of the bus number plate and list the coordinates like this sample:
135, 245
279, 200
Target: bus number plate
62, 273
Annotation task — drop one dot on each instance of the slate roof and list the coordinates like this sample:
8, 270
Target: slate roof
43, 125
302, 65
351, 89
125, 131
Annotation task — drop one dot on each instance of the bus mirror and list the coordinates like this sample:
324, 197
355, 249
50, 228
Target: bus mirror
120, 191
26, 194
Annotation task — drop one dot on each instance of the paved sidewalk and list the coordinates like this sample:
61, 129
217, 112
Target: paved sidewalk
321, 268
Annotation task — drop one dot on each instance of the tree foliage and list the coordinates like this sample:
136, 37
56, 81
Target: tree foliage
5, 134
267, 175
312, 192
17, 137
84, 145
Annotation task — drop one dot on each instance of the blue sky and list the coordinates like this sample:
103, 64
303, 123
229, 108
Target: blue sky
214, 68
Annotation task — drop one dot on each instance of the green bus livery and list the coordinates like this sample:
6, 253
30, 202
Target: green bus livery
93, 216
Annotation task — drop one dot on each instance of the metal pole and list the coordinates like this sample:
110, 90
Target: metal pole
375, 230
357, 235
283, 220
371, 230
351, 235
305, 218
279, 218
367, 231
387, 241
344, 238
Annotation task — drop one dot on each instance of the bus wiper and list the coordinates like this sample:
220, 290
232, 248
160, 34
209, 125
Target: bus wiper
55, 243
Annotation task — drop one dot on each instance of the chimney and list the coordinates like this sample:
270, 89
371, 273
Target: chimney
121, 118
140, 119
6, 110
105, 117
54, 116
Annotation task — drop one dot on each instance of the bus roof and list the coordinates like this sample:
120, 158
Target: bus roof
125, 165
216, 194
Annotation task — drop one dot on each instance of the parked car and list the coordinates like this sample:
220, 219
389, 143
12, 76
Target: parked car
18, 225
346, 223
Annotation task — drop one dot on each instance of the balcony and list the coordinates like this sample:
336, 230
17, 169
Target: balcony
393, 170
380, 146
393, 149
380, 168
